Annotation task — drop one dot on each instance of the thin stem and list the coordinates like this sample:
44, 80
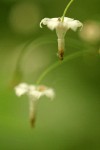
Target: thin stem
21, 53
36, 42
71, 1
17, 77
25, 48
56, 64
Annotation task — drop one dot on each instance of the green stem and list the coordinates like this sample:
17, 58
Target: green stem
17, 77
21, 54
25, 48
36, 42
66, 9
56, 64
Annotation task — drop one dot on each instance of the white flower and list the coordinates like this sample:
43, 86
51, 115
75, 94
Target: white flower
61, 29
34, 93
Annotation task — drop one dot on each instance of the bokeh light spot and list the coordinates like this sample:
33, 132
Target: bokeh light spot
24, 17
91, 31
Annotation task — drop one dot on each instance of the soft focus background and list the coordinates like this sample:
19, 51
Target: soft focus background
72, 120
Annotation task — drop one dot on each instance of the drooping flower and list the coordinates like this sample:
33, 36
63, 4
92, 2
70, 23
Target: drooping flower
34, 93
61, 28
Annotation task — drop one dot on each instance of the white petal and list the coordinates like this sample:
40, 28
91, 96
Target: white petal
66, 21
35, 94
21, 89
51, 23
74, 24
49, 93
32, 88
44, 22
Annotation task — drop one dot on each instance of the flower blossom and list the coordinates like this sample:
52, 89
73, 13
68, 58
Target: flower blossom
34, 93
61, 28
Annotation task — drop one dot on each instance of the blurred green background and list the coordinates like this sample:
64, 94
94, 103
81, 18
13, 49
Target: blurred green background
72, 120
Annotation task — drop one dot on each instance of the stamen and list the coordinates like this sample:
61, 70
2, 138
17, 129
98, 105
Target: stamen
42, 88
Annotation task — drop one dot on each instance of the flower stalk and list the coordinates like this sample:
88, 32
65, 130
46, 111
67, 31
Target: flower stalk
64, 13
56, 64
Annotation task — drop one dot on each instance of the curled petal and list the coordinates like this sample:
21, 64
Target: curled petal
51, 23
44, 22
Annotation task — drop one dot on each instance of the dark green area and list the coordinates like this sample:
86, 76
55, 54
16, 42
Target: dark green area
72, 120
